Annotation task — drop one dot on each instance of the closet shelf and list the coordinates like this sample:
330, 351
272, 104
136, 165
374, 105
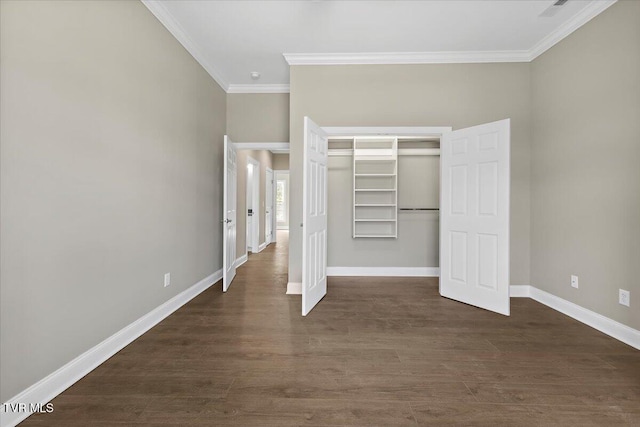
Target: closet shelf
375, 166
374, 159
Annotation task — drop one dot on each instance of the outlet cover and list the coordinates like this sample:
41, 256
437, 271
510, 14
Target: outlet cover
624, 297
167, 279
574, 281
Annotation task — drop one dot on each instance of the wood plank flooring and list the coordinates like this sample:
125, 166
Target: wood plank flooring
374, 352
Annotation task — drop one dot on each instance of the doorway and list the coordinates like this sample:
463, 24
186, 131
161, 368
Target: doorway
282, 200
269, 220
253, 205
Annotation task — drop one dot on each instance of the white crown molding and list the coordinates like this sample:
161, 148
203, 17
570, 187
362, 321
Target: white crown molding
55, 383
405, 58
589, 12
597, 321
593, 9
258, 88
162, 14
384, 271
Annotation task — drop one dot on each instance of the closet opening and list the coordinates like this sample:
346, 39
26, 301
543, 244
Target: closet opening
383, 205
355, 210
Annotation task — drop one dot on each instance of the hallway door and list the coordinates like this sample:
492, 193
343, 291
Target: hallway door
230, 211
268, 207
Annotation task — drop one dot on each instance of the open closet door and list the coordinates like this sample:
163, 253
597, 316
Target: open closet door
229, 209
314, 216
474, 216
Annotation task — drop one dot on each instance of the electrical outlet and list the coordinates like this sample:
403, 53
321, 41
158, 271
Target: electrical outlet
574, 281
167, 279
624, 297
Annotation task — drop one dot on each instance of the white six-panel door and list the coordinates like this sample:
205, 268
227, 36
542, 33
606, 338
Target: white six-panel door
268, 206
314, 216
230, 214
474, 216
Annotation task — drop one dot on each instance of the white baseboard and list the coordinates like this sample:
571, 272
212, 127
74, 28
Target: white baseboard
519, 291
384, 271
55, 383
241, 260
294, 288
597, 321
261, 246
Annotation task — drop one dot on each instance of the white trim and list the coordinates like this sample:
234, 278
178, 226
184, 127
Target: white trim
261, 246
386, 130
519, 291
340, 152
382, 58
597, 321
401, 152
384, 271
589, 12
258, 88
294, 288
162, 14
279, 146
55, 383
241, 260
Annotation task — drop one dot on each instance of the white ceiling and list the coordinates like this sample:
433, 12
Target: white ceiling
233, 38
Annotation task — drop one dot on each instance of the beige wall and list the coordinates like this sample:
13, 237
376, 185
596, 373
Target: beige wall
457, 95
281, 162
111, 176
585, 207
264, 158
260, 117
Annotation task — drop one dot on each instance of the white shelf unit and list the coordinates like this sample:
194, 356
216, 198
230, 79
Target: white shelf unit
375, 187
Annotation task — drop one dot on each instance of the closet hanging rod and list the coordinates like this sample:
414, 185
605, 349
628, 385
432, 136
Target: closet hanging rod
419, 209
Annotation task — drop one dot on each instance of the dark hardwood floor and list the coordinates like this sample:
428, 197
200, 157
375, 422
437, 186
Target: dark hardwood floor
375, 351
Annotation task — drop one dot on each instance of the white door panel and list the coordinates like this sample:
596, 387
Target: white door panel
230, 214
314, 230
268, 215
474, 216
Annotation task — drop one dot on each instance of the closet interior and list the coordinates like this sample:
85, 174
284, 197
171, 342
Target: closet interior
393, 179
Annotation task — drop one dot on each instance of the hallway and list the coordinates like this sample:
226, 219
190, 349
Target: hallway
375, 351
